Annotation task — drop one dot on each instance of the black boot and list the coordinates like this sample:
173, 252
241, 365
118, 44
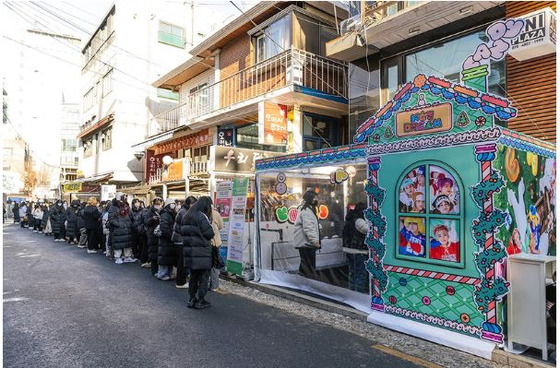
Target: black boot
192, 303
202, 303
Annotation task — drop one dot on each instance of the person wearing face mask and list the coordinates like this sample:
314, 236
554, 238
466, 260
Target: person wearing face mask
306, 234
57, 216
91, 222
151, 221
181, 281
136, 218
72, 231
120, 227
166, 251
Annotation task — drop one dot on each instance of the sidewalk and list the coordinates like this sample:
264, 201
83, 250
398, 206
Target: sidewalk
349, 319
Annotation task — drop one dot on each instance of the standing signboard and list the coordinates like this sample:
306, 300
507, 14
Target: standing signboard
237, 225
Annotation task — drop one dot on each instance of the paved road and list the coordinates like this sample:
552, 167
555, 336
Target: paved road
66, 308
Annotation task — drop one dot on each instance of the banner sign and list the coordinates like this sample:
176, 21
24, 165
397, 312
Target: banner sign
273, 124
239, 160
72, 187
425, 120
538, 36
225, 137
153, 163
195, 140
175, 171
223, 198
237, 225
108, 192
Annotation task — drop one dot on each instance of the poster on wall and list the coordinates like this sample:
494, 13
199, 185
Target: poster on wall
108, 192
237, 225
222, 203
273, 124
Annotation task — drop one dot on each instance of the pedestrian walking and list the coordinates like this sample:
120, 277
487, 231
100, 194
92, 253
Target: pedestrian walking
151, 222
217, 262
166, 251
57, 217
72, 228
196, 230
15, 211
91, 222
306, 234
181, 281
120, 228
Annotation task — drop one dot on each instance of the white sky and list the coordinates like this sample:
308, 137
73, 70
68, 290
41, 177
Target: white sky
38, 70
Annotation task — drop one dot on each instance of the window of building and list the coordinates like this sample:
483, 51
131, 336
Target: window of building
199, 97
106, 139
428, 205
167, 93
171, 35
69, 145
108, 83
320, 132
277, 37
88, 148
442, 60
88, 99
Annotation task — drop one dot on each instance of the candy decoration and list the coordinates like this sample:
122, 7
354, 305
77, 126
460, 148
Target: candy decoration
465, 318
281, 188
511, 165
480, 121
463, 119
392, 299
292, 214
426, 300
402, 281
281, 214
450, 290
323, 212
339, 176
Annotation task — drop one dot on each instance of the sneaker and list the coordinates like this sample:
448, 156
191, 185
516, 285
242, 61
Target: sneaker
119, 261
185, 286
146, 265
92, 251
129, 260
81, 246
165, 278
34, 231
202, 304
70, 243
40, 232
192, 303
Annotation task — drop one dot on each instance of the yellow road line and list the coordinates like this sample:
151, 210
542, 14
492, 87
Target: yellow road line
404, 356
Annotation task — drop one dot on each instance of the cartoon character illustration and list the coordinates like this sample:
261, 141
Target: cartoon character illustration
445, 246
420, 185
535, 229
515, 246
518, 205
419, 204
412, 241
405, 196
443, 205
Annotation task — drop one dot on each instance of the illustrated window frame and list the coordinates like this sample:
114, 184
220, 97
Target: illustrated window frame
427, 216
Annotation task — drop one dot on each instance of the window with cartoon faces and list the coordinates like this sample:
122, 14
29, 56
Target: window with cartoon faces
429, 203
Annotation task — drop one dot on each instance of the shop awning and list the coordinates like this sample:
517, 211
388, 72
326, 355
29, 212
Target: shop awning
152, 141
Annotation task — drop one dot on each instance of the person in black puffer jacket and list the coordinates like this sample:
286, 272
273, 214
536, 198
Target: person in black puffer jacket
166, 250
151, 221
57, 215
196, 230
72, 230
45, 220
120, 228
91, 216
181, 281
137, 226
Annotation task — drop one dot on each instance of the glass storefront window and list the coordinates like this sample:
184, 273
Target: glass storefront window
340, 225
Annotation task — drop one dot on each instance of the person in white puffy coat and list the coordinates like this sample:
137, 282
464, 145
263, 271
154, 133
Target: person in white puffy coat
307, 238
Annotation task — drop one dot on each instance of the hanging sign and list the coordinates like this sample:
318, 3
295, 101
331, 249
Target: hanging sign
175, 171
72, 187
225, 137
239, 160
273, 124
153, 163
236, 234
537, 38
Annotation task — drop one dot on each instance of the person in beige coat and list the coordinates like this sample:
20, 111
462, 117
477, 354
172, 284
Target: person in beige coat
217, 225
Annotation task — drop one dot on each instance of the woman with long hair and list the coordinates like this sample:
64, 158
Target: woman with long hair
181, 281
197, 233
91, 221
306, 234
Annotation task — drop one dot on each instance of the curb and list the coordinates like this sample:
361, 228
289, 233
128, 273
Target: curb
499, 356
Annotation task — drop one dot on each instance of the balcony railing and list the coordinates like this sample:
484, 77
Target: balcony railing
291, 67
196, 168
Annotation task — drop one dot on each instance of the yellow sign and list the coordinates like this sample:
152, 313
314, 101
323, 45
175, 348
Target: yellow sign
72, 187
425, 120
174, 171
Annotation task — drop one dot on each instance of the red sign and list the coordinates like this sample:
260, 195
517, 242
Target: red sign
199, 139
153, 163
273, 124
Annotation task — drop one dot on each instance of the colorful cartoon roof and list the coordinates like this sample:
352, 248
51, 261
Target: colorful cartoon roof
448, 90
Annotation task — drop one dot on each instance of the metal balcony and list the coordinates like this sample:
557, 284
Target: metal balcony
287, 69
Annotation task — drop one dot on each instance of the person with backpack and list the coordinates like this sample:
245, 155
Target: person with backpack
120, 227
151, 222
181, 280
353, 243
91, 216
166, 251
197, 233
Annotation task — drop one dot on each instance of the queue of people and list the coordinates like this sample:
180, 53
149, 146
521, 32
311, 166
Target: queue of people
164, 236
